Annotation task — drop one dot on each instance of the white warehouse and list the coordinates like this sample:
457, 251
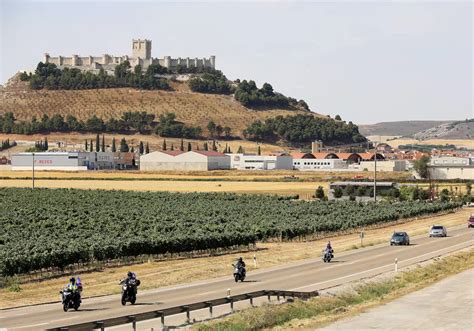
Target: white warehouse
187, 161
261, 162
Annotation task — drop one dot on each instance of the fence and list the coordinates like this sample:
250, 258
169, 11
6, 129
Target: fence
161, 314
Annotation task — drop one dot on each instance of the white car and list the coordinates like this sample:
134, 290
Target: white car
438, 231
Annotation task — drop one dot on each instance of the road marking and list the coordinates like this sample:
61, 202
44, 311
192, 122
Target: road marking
381, 267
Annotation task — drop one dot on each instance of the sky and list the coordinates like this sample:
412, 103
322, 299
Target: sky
368, 61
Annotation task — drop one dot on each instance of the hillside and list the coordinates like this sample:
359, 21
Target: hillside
191, 108
400, 128
455, 130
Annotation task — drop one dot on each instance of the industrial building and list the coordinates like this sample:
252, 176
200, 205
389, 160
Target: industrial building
451, 168
261, 162
319, 164
72, 161
184, 161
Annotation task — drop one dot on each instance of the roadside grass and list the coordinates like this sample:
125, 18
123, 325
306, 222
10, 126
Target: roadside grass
321, 311
160, 273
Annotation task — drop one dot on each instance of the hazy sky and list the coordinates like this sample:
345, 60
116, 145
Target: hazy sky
367, 61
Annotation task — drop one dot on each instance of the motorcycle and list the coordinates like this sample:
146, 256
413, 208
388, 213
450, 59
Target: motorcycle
70, 299
327, 255
239, 273
129, 291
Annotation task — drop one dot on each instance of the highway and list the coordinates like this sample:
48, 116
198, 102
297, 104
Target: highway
304, 275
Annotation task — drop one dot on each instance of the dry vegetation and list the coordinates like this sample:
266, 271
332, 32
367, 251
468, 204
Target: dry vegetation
180, 271
190, 108
460, 143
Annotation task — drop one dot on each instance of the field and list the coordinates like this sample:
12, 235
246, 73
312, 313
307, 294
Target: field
195, 109
56, 228
159, 273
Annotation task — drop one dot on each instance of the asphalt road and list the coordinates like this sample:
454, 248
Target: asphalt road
305, 275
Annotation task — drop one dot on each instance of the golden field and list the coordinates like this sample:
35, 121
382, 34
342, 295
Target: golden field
157, 274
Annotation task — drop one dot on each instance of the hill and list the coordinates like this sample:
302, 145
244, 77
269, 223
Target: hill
454, 130
399, 128
195, 109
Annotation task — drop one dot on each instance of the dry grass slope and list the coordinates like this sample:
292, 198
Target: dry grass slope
190, 108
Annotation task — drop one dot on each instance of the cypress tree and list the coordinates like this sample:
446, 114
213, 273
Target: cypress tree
259, 151
91, 146
123, 146
132, 150
86, 145
103, 143
164, 144
147, 149
114, 149
240, 150
214, 146
189, 147
205, 146
45, 144
141, 149
97, 143
181, 148
172, 147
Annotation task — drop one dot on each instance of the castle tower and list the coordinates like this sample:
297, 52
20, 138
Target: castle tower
141, 48
316, 146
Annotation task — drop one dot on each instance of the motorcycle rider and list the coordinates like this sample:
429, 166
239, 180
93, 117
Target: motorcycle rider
329, 249
73, 288
131, 276
240, 265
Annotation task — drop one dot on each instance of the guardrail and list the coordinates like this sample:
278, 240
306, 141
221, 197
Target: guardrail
162, 313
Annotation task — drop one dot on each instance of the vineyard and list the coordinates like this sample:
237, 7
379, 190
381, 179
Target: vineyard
48, 228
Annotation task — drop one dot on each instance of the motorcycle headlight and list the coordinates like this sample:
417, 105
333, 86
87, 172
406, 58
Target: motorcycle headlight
124, 287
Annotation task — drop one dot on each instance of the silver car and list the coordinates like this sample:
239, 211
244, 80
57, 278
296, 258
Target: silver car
438, 231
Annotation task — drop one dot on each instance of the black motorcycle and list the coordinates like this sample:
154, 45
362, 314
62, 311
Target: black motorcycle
239, 273
328, 255
129, 291
70, 299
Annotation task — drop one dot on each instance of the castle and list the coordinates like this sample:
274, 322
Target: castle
141, 54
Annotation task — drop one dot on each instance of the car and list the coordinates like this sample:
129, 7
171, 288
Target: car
470, 222
438, 231
400, 238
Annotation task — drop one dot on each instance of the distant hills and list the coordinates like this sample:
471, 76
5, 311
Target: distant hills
453, 130
400, 128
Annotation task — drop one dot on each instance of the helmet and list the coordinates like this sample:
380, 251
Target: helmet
240, 259
72, 280
130, 274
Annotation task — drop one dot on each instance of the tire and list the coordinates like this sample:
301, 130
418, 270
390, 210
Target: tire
236, 277
124, 302
76, 306
133, 300
65, 307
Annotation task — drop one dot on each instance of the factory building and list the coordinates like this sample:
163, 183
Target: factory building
261, 162
184, 161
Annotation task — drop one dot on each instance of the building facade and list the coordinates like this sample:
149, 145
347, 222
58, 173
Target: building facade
319, 164
141, 54
184, 161
260, 162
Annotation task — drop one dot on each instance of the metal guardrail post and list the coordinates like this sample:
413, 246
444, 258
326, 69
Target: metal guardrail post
162, 318
210, 308
134, 322
100, 325
188, 313
232, 305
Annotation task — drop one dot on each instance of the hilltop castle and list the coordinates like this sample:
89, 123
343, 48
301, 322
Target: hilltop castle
141, 54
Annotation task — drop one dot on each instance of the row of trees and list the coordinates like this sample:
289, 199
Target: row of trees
212, 82
216, 130
6, 144
49, 76
302, 129
249, 95
124, 147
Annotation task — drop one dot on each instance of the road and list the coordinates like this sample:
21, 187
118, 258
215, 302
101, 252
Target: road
299, 276
447, 305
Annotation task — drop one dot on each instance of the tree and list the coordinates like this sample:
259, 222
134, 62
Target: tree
338, 118
468, 188
361, 191
338, 192
114, 149
350, 190
206, 148
211, 127
181, 147
97, 143
164, 144
240, 150
259, 151
227, 131
415, 195
91, 146
132, 150
319, 193
189, 147
421, 166
214, 146
86, 145
45, 144
172, 147
141, 148
103, 144
219, 130
147, 148
124, 146
444, 195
